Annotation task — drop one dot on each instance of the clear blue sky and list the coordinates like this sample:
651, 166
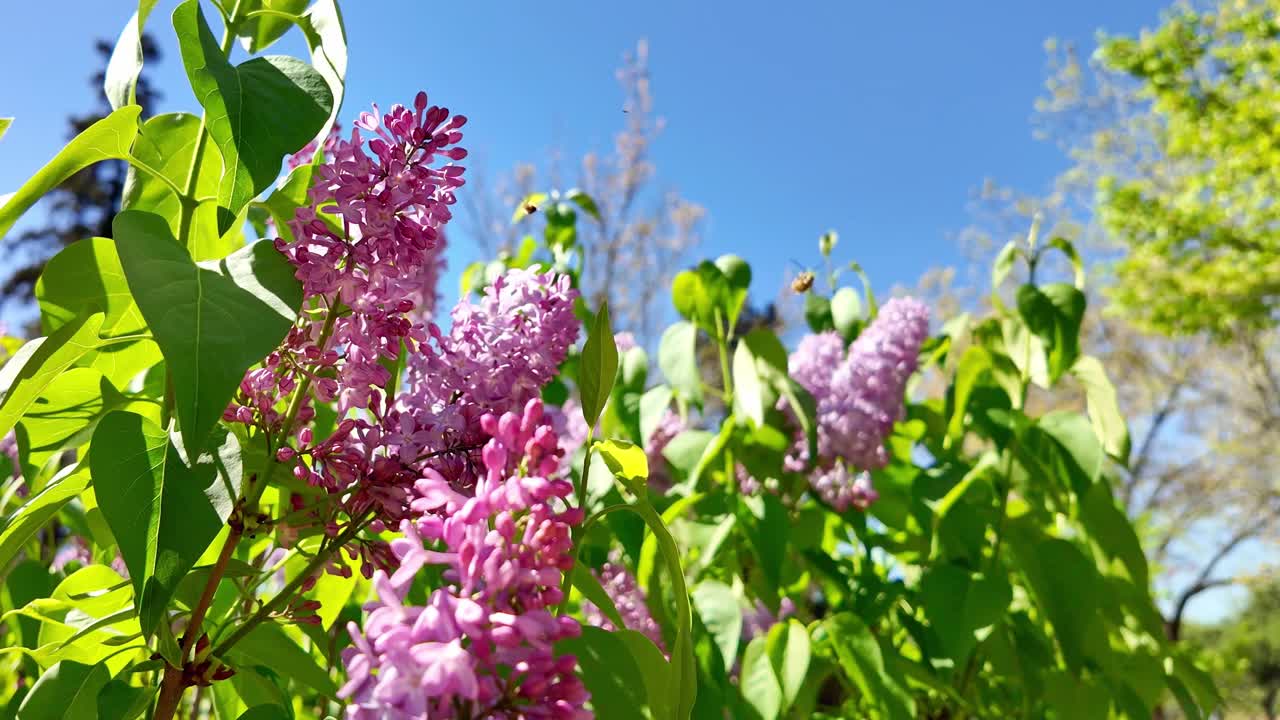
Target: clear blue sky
875, 119
784, 120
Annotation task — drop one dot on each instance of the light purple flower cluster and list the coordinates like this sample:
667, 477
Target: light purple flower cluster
858, 397
374, 227
757, 619
841, 490
621, 587
482, 646
671, 425
497, 356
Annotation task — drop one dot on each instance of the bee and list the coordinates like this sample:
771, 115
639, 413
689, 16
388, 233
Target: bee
530, 209
803, 282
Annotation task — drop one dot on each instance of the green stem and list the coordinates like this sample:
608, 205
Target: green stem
291, 415
322, 556
579, 530
188, 196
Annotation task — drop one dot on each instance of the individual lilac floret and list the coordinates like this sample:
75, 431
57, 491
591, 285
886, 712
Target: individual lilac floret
621, 587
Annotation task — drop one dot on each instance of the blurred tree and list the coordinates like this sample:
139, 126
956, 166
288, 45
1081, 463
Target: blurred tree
1249, 644
645, 231
79, 208
1196, 206
1164, 206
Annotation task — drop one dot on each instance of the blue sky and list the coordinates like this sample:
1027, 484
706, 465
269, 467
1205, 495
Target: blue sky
877, 120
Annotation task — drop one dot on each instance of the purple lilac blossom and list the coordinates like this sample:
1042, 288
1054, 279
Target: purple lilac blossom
858, 396
621, 587
482, 646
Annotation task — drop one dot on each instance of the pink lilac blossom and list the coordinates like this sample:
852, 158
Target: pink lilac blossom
757, 619
671, 425
498, 355
364, 250
621, 587
624, 341
858, 397
482, 646
841, 490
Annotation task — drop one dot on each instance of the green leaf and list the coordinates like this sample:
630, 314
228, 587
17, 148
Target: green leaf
1077, 265
62, 417
37, 364
710, 452
627, 462
120, 82
683, 665
66, 691
655, 670
788, 649
1111, 530
259, 32
653, 407
284, 201
107, 139
846, 311
584, 201
678, 359
268, 644
334, 592
974, 364
32, 515
587, 584
612, 675
118, 700
87, 274
212, 322
1054, 313
1104, 409
265, 712
962, 606
817, 313
686, 449
1065, 586
1075, 699
804, 409
759, 682
718, 608
5, 122
1003, 264
326, 37
737, 277
163, 507
748, 390
862, 659
166, 144
598, 367
257, 112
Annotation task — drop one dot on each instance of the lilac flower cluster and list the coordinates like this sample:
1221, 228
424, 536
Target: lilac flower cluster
858, 398
497, 356
621, 587
671, 425
482, 646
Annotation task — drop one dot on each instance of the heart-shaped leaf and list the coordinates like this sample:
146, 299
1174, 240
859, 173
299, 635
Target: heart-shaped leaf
212, 321
163, 505
87, 274
257, 112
